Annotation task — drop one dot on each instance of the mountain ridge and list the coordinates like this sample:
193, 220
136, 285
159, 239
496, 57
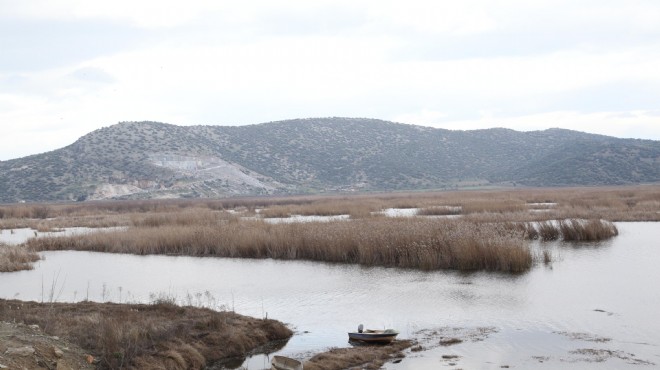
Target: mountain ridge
159, 160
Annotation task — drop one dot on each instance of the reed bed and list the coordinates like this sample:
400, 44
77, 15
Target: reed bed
587, 230
16, 258
326, 207
405, 243
154, 336
568, 230
476, 240
492, 206
629, 203
439, 211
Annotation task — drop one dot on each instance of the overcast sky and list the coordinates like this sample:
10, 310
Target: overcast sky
68, 67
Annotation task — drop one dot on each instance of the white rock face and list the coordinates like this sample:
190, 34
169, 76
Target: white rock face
201, 176
214, 168
107, 191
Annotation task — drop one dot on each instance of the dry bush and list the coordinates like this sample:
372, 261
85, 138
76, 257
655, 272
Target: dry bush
16, 258
157, 336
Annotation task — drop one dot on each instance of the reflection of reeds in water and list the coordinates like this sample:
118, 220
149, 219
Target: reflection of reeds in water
407, 243
547, 257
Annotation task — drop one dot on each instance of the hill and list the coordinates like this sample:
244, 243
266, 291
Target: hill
158, 160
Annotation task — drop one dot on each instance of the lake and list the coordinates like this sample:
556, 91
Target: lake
595, 306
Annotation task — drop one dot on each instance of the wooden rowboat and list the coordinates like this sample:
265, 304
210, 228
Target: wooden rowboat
374, 336
285, 363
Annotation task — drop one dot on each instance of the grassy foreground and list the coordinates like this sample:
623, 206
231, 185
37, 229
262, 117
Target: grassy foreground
148, 336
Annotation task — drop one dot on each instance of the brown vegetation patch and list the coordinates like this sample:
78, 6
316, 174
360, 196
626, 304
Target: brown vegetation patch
439, 211
602, 355
405, 243
152, 336
452, 335
584, 336
450, 341
487, 236
568, 230
16, 258
358, 357
626, 203
589, 230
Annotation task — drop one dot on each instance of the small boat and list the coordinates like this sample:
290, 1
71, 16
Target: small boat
373, 336
285, 363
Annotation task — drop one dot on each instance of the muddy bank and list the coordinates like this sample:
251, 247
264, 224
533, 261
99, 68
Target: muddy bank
141, 336
360, 356
28, 347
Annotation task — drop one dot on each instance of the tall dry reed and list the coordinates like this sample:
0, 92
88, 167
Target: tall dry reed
405, 243
568, 230
16, 258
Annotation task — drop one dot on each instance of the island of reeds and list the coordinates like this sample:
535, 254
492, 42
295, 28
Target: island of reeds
468, 231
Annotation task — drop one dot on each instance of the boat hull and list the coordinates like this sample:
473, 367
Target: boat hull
379, 337
285, 363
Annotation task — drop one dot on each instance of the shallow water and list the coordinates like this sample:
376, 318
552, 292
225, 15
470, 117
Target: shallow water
606, 290
20, 236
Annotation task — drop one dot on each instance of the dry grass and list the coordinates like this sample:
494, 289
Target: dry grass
156, 336
587, 230
406, 243
439, 211
326, 207
204, 227
362, 357
568, 230
630, 203
492, 206
16, 258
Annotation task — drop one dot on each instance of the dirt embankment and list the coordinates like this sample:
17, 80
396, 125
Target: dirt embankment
28, 347
129, 336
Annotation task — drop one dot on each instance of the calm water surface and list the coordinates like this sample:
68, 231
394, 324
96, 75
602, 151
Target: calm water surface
605, 290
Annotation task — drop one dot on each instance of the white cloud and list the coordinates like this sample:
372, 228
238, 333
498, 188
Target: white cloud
221, 62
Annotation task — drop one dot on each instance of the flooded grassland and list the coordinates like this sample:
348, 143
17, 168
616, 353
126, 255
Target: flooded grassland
586, 304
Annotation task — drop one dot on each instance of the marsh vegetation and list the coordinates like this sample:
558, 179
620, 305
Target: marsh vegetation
160, 335
485, 230
14, 258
